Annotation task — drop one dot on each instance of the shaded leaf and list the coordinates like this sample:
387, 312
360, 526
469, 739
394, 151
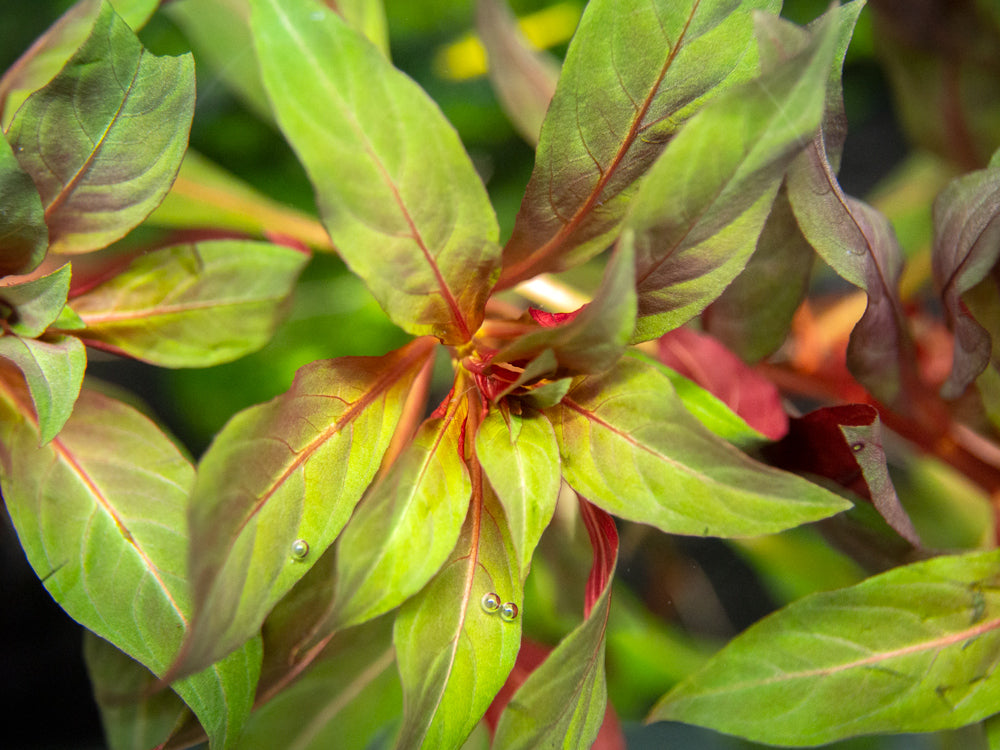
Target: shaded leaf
54, 371
628, 445
562, 702
193, 305
453, 654
23, 234
288, 470
37, 303
382, 159
103, 139
520, 457
633, 72
523, 78
911, 650
700, 210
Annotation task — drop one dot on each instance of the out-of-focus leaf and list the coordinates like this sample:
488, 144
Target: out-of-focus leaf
193, 305
53, 370
634, 71
368, 17
911, 650
523, 78
37, 303
966, 250
49, 53
23, 234
278, 484
562, 703
388, 169
700, 210
104, 139
455, 653
519, 454
753, 315
629, 446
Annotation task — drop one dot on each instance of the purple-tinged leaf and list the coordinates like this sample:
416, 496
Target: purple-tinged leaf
36, 304
104, 139
389, 171
911, 650
193, 305
519, 455
23, 234
630, 447
634, 71
562, 703
455, 646
966, 251
700, 210
53, 370
523, 78
278, 484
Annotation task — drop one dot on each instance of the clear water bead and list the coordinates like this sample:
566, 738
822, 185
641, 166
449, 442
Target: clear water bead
491, 602
300, 549
508, 612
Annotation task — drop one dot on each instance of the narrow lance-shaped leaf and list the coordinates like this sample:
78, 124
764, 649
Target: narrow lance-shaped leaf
193, 305
278, 484
700, 210
23, 234
389, 171
103, 139
911, 650
628, 445
634, 71
456, 641
562, 703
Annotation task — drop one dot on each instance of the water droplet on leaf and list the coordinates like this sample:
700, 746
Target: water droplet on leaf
508, 612
317, 15
300, 549
857, 447
491, 602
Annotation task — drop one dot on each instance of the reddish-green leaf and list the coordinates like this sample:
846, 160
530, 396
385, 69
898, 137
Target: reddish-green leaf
389, 171
23, 234
634, 71
103, 139
278, 484
454, 650
562, 703
37, 303
629, 446
911, 650
193, 305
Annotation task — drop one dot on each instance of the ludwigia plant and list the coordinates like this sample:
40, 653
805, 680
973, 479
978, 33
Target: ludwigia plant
354, 565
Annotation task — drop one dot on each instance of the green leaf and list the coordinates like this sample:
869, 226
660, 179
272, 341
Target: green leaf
36, 303
23, 234
389, 171
368, 17
700, 210
911, 650
454, 655
562, 703
630, 447
519, 454
633, 73
285, 472
193, 305
103, 139
54, 373
425, 496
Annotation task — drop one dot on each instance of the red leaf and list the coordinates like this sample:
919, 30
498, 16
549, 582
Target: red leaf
604, 540
552, 320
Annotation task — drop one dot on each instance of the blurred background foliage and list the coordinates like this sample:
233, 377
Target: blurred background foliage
678, 598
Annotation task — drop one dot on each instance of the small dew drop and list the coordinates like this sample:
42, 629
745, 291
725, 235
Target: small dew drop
491, 602
857, 447
317, 15
508, 612
300, 549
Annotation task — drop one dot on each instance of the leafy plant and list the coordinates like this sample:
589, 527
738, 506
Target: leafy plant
356, 563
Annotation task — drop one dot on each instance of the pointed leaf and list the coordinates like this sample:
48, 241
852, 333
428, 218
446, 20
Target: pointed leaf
629, 445
562, 703
287, 471
23, 234
454, 654
104, 139
388, 169
36, 303
519, 454
702, 207
634, 71
368, 17
193, 305
911, 650
54, 373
